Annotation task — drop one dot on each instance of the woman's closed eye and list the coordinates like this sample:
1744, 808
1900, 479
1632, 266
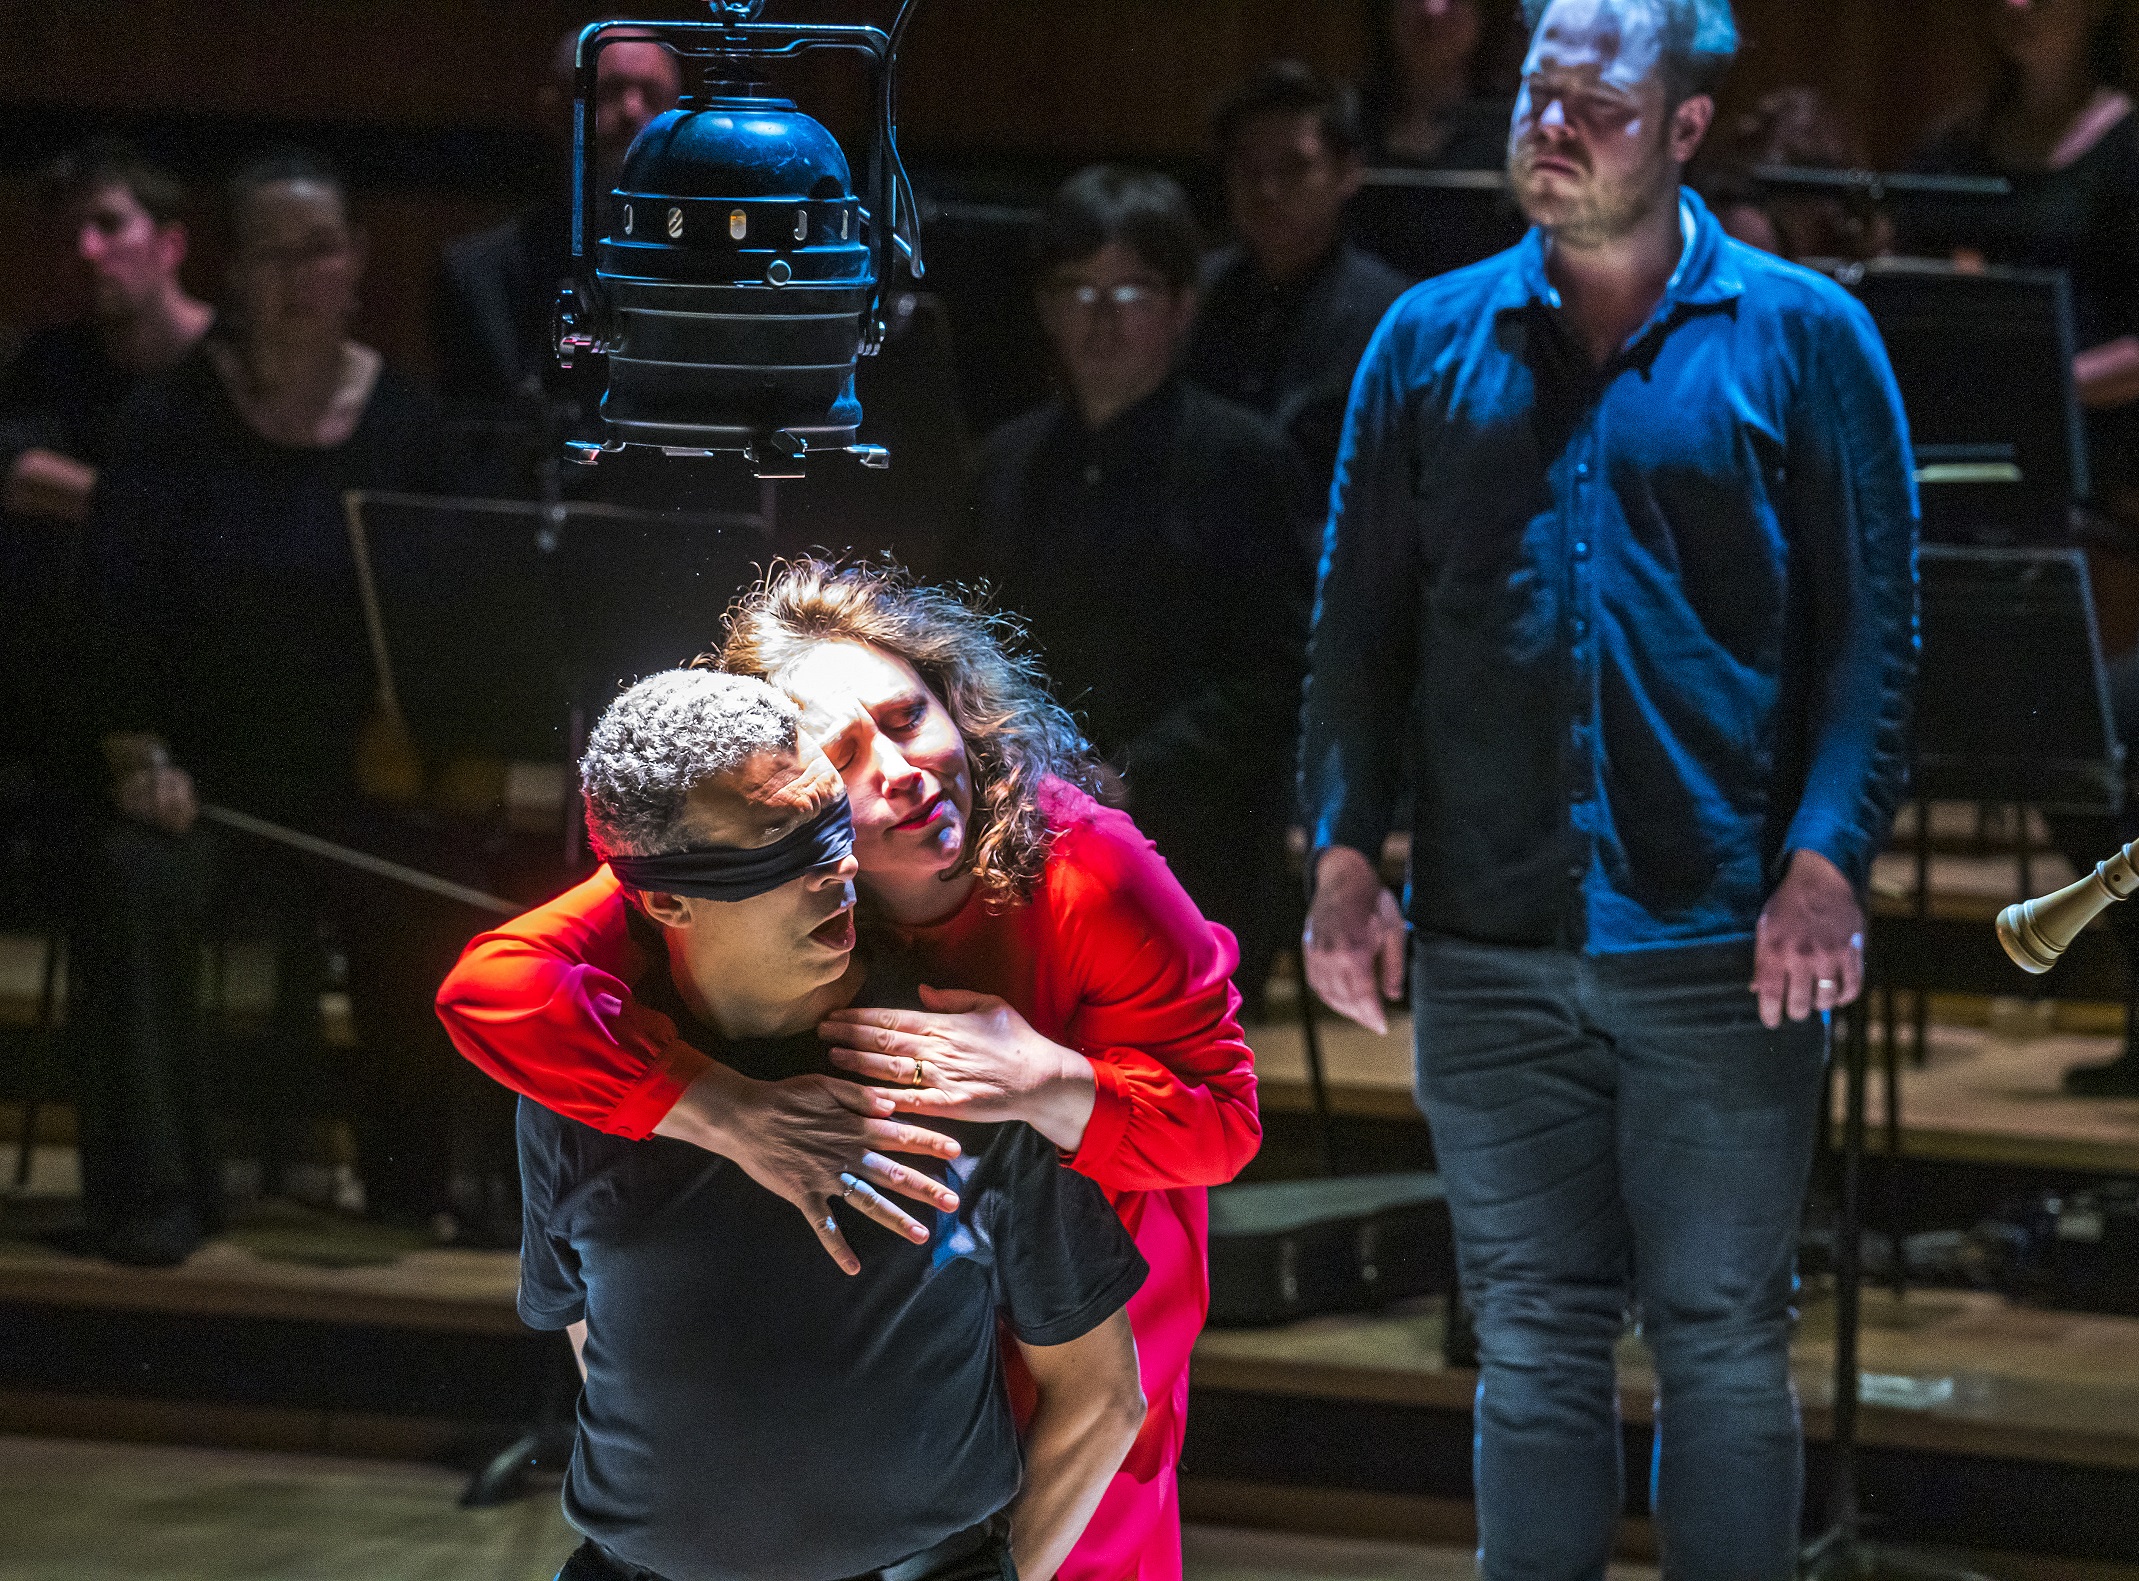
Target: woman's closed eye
903, 721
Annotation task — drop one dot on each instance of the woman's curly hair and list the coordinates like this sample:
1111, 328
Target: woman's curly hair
1017, 736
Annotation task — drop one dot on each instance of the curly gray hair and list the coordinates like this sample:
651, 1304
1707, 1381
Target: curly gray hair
662, 737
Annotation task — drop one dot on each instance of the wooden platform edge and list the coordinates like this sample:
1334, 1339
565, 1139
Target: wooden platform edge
1280, 1095
1353, 1513
1421, 1518
33, 1413
95, 1286
1879, 1426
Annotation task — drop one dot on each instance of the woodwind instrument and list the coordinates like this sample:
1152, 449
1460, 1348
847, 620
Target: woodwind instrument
2036, 932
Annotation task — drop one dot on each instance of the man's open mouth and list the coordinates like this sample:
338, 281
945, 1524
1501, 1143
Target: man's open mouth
836, 932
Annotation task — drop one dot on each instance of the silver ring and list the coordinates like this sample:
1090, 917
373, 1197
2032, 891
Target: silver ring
1824, 982
850, 1185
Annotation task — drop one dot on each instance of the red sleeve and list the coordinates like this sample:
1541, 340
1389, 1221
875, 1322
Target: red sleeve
544, 1005
1156, 1013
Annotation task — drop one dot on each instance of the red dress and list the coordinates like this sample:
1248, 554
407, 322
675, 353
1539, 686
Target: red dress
1110, 957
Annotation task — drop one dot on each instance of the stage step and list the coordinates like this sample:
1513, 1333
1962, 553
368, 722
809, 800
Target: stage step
304, 1331
1987, 1094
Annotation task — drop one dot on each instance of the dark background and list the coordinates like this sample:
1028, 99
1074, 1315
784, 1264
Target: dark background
430, 105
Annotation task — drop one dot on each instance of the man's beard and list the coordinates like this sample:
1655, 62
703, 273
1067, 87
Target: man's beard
1596, 214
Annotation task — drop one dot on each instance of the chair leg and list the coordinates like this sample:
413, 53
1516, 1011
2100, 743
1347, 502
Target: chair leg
28, 1150
47, 1023
1317, 1079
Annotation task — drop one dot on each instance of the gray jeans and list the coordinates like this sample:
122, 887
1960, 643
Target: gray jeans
1621, 1138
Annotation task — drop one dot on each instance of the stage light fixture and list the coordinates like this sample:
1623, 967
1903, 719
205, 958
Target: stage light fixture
740, 272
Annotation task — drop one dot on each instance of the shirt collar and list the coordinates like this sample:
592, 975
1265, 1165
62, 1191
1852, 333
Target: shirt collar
1706, 272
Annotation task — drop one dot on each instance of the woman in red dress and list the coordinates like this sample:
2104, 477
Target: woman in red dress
1096, 1003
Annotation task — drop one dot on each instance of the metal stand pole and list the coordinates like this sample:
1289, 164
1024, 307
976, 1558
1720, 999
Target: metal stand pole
1317, 1080
1841, 1552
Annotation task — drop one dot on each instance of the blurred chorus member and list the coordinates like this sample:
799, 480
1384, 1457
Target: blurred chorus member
2059, 126
1438, 101
230, 648
62, 392
116, 218
1443, 77
1794, 128
1151, 535
2060, 129
499, 287
1289, 306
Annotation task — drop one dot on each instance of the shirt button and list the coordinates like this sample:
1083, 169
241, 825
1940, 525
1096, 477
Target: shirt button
1574, 870
1581, 549
1581, 469
1581, 627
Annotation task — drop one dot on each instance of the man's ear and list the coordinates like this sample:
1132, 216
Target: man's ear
671, 911
1689, 124
1351, 175
173, 242
1190, 298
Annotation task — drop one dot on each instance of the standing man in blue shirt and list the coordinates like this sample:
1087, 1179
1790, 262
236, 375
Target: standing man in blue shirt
1624, 533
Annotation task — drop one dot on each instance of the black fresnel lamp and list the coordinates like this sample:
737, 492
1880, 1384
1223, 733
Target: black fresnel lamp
741, 274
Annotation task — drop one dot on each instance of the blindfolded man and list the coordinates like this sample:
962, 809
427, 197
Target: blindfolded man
750, 1409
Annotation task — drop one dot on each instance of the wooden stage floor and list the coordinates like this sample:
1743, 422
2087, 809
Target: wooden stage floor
106, 1512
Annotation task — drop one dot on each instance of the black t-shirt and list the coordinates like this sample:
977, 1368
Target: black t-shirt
1288, 349
751, 1411
1161, 562
224, 586
61, 391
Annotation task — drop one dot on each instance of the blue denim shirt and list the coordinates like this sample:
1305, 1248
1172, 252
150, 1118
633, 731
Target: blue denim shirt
1628, 635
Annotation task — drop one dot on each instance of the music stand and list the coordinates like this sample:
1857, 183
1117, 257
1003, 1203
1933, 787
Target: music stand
1984, 361
980, 265
1426, 222
2013, 696
576, 599
1995, 623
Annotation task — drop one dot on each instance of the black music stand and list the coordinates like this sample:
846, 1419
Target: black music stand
1984, 361
575, 601
2013, 698
1426, 222
1841, 1552
1996, 624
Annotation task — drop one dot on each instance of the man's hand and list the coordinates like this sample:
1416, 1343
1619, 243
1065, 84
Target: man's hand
46, 483
813, 1140
1354, 943
2108, 374
968, 1057
1809, 950
147, 786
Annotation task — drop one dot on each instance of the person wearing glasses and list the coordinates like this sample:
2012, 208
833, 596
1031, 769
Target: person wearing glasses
1288, 308
1151, 535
